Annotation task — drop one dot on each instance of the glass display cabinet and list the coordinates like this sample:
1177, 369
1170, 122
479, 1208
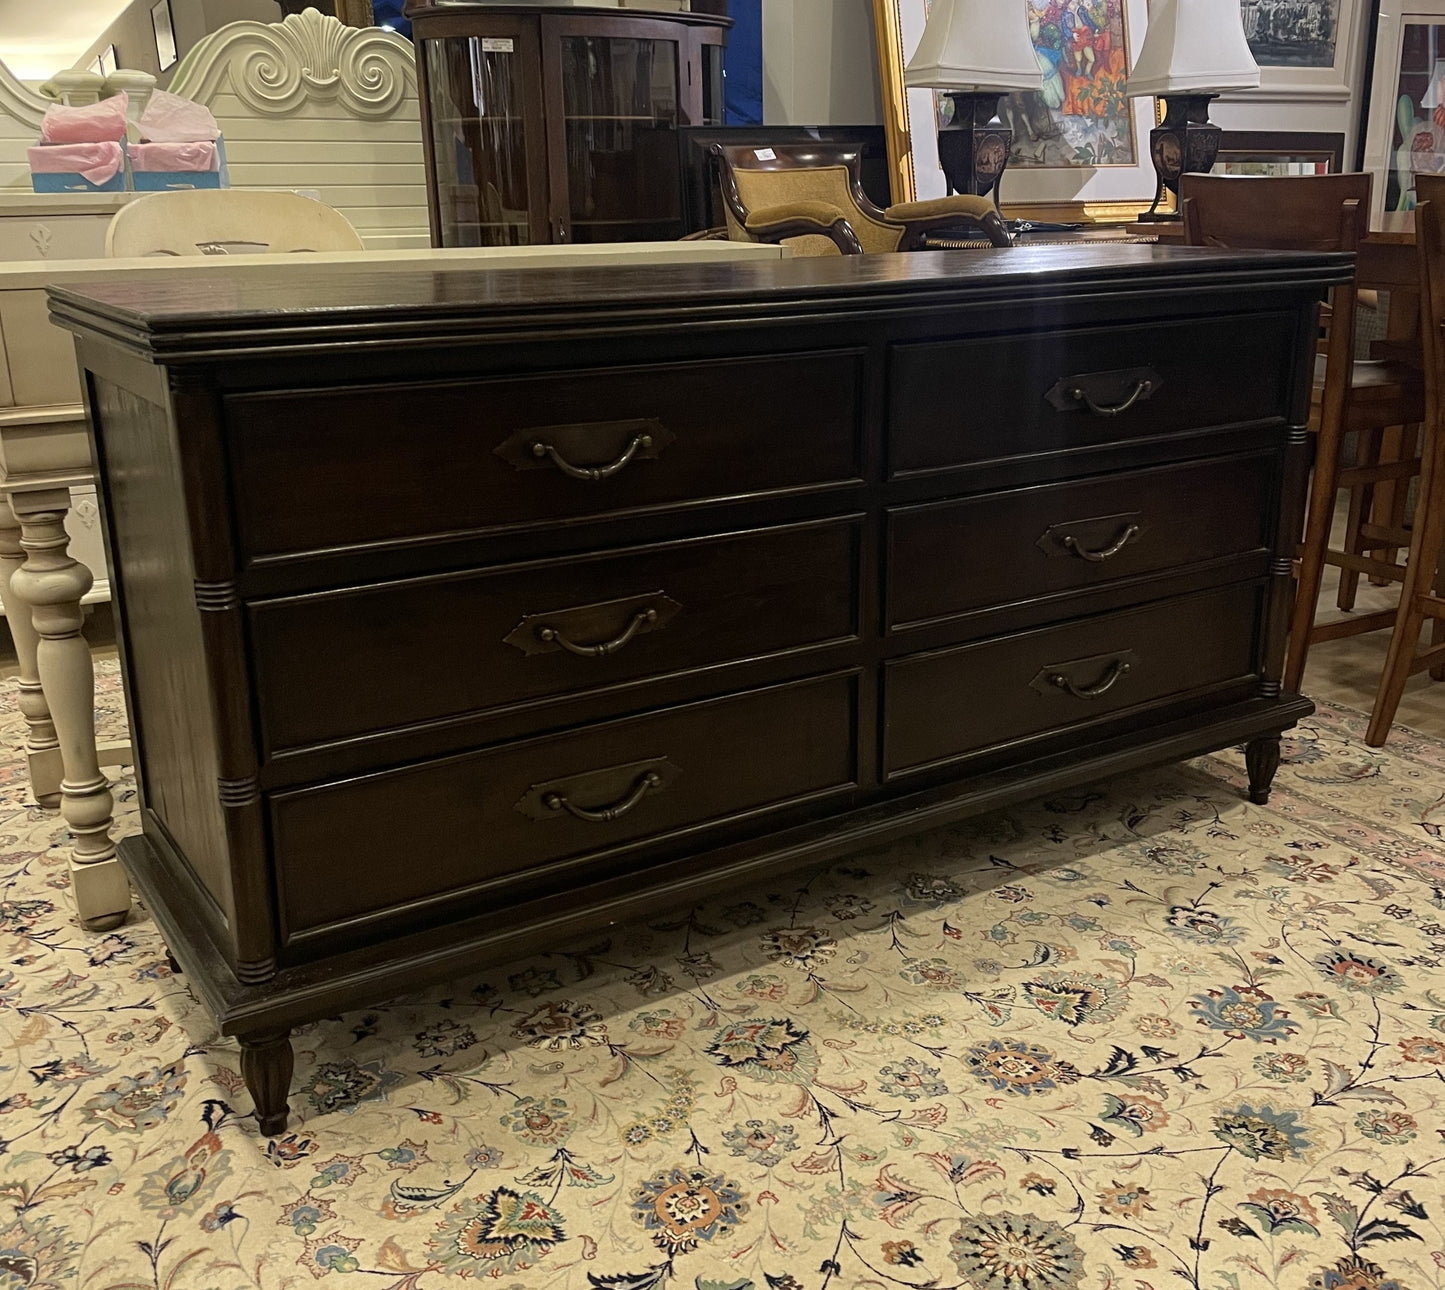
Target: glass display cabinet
552, 124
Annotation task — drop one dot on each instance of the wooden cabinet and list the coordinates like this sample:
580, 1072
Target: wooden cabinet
462, 613
561, 124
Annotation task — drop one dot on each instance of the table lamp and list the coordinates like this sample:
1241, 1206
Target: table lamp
1194, 49
975, 51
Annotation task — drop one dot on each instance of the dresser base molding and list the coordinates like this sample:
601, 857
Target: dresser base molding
260, 1015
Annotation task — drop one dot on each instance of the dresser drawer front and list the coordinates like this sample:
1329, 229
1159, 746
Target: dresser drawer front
959, 402
475, 825
953, 558
948, 704
322, 469
338, 664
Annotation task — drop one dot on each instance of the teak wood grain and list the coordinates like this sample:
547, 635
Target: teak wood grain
857, 581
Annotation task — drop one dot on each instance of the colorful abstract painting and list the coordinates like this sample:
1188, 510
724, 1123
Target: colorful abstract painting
1081, 116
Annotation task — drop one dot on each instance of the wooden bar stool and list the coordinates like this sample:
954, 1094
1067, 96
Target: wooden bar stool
1323, 213
1422, 595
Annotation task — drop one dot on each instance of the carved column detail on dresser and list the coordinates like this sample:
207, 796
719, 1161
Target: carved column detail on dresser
50, 584
808, 561
220, 612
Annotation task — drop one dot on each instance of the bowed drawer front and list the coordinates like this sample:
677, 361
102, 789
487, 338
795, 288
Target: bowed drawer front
966, 402
1046, 543
512, 821
484, 456
487, 639
952, 703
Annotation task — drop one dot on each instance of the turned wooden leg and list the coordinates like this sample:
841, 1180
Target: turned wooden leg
266, 1062
1437, 628
42, 748
1261, 756
1362, 499
52, 583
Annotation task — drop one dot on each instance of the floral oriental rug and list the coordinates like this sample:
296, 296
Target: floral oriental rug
1144, 1035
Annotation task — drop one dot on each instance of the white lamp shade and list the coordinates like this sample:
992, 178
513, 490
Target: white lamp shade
1194, 47
975, 45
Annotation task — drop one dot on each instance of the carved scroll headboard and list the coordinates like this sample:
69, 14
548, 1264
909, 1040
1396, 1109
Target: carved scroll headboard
304, 103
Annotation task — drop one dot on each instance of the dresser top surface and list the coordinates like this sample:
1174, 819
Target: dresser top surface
290, 304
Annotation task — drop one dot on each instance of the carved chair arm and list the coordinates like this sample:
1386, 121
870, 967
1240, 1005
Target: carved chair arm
919, 218
798, 219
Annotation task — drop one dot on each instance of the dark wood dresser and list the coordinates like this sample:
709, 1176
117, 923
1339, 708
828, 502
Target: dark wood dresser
462, 612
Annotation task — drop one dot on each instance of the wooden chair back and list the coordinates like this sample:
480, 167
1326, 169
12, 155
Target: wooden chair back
1292, 213
1289, 213
1422, 596
228, 221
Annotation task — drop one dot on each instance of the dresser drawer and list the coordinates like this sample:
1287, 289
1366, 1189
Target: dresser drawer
322, 469
343, 663
959, 402
950, 703
948, 559
511, 821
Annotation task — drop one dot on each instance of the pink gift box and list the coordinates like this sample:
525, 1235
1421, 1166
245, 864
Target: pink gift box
174, 156
91, 165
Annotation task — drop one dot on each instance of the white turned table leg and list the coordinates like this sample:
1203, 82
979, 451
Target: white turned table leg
42, 748
52, 583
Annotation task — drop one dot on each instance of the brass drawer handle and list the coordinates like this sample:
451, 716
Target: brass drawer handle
643, 618
615, 622
592, 474
1142, 388
646, 782
1117, 671
1105, 394
1104, 553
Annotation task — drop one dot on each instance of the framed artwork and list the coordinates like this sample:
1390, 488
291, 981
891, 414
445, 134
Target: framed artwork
106, 63
1306, 49
165, 33
1405, 133
1280, 152
1081, 148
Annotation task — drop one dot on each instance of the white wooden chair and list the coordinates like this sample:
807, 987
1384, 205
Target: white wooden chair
227, 221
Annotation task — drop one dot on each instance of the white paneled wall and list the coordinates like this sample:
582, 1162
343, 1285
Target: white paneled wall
305, 103
311, 103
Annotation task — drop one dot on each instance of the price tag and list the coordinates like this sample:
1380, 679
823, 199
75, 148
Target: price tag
765, 154
496, 44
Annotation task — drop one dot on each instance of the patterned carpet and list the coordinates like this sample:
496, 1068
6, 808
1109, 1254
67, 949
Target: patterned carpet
1143, 1036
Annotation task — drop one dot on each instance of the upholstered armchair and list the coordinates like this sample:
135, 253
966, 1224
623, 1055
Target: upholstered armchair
812, 198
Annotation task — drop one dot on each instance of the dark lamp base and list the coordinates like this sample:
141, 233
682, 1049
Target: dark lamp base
1185, 143
973, 148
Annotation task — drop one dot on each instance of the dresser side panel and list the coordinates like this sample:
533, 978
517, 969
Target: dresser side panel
169, 693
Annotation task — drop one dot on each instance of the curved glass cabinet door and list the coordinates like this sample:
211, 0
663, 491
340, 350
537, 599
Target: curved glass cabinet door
480, 139
619, 126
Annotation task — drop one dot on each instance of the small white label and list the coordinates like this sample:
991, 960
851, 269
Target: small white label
496, 44
765, 154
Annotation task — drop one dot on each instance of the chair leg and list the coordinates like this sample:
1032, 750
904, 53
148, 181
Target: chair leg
1362, 497
1421, 574
1382, 506
1312, 557
1437, 626
1395, 507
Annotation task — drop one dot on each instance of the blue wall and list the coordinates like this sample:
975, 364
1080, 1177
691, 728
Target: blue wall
743, 63
388, 13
